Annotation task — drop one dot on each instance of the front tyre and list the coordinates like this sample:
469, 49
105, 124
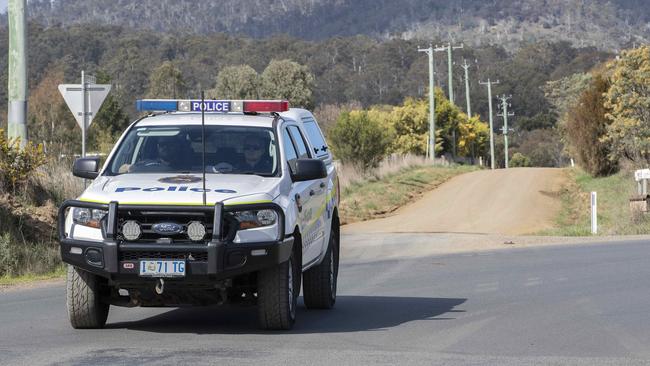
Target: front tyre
319, 282
83, 294
277, 296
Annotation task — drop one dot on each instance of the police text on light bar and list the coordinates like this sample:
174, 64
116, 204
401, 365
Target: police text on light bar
213, 106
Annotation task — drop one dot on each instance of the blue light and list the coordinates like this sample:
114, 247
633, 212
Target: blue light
163, 105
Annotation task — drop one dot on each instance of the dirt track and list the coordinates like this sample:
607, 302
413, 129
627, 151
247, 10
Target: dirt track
509, 202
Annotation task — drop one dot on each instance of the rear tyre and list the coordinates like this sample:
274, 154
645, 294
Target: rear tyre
277, 296
83, 294
319, 282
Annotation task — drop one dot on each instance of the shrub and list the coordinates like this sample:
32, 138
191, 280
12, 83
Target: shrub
587, 127
16, 163
360, 140
519, 160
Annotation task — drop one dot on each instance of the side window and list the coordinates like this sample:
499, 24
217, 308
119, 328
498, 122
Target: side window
289, 150
316, 138
299, 141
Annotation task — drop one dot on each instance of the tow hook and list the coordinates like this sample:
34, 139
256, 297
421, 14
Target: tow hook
160, 286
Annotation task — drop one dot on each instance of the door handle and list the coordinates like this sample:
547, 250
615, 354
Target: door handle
312, 192
298, 202
322, 184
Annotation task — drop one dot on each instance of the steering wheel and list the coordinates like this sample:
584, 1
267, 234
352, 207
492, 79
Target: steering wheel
223, 168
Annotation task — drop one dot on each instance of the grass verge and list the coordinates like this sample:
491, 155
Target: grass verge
6, 281
376, 197
614, 214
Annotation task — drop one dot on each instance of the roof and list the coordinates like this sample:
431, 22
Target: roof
194, 118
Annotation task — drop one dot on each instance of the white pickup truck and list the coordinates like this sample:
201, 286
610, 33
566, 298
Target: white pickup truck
205, 202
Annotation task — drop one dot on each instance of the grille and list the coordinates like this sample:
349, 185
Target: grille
147, 219
138, 255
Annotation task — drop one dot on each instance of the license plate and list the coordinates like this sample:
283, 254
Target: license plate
162, 268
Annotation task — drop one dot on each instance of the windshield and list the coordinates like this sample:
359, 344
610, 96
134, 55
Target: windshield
178, 149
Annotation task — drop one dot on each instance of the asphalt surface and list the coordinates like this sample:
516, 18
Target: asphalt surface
581, 304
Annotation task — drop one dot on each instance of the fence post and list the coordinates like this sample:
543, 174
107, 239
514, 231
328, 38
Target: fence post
594, 213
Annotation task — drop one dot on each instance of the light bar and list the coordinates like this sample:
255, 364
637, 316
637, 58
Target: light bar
212, 106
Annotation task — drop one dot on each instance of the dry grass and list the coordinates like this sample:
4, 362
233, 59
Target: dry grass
350, 174
56, 182
614, 214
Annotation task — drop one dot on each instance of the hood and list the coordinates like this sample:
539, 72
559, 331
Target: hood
175, 189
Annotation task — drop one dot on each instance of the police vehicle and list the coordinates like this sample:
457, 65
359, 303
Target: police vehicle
204, 202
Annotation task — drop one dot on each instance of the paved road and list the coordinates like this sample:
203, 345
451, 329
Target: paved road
583, 305
503, 201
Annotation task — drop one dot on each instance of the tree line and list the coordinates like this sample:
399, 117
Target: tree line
345, 70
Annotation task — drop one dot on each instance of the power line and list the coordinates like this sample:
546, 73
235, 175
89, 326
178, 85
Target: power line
431, 146
489, 84
505, 114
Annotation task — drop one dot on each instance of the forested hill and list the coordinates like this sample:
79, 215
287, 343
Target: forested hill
608, 24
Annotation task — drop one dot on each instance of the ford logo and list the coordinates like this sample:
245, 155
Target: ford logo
167, 228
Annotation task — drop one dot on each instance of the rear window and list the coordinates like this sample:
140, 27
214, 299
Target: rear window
316, 138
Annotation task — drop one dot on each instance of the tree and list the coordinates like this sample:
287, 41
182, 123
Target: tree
628, 101
473, 136
50, 122
285, 79
359, 139
109, 123
166, 82
237, 82
411, 124
586, 129
519, 160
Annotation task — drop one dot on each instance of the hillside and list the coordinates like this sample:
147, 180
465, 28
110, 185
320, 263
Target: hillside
608, 24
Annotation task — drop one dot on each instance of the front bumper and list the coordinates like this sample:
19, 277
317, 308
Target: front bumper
218, 259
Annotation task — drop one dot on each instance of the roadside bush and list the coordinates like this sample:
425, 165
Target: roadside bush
586, 129
360, 140
20, 258
519, 160
17, 164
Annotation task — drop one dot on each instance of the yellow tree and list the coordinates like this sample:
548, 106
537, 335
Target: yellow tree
628, 102
473, 135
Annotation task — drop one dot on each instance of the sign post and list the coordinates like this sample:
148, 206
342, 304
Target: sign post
84, 101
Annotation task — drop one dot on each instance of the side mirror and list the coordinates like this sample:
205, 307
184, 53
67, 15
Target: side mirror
309, 169
86, 168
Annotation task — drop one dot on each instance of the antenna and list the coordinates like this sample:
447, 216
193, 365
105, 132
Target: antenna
203, 142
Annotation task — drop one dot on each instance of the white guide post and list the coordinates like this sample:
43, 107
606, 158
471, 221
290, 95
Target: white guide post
594, 213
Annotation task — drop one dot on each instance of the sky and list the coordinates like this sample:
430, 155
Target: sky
3, 6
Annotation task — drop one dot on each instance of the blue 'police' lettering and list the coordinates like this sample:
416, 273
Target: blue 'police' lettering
172, 189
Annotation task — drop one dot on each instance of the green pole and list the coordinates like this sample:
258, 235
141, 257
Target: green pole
17, 83
431, 146
505, 114
469, 106
489, 84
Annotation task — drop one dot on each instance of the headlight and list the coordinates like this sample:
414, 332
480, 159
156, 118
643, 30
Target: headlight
256, 218
257, 226
88, 217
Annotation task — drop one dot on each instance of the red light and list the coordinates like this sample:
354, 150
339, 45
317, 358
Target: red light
262, 106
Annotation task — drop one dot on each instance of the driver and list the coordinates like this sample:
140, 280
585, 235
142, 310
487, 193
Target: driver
256, 156
167, 156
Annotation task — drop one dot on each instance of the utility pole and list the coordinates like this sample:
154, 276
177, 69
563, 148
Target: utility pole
431, 147
489, 84
17, 83
505, 114
466, 66
450, 64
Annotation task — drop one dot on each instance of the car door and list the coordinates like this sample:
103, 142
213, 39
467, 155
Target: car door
313, 201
